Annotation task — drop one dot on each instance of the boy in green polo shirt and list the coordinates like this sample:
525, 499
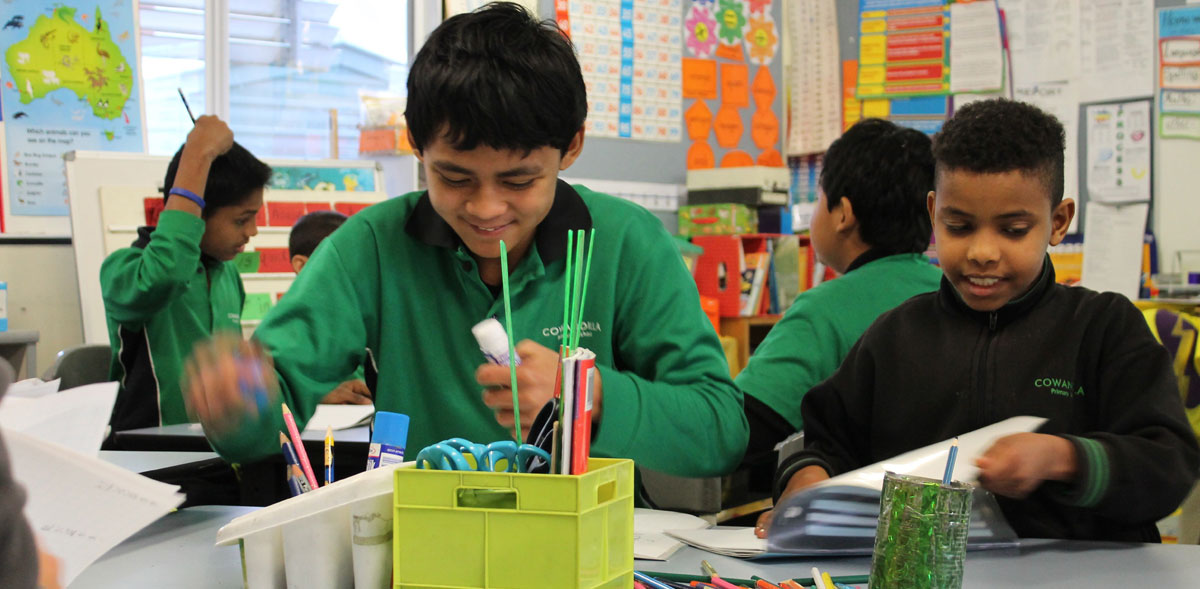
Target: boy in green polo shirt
870, 226
175, 285
496, 104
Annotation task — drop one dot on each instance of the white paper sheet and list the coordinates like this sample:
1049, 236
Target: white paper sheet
79, 506
76, 418
1116, 49
1118, 152
32, 388
1043, 38
815, 96
735, 542
1112, 247
339, 417
650, 540
976, 54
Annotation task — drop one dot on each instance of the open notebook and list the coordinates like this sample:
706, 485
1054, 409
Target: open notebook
839, 516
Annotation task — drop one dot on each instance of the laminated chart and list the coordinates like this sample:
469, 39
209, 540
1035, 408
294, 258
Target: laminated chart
903, 48
1179, 72
630, 52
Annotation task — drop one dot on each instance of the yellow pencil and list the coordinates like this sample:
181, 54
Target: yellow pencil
328, 455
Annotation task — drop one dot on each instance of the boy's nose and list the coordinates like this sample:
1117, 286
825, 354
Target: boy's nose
485, 204
983, 251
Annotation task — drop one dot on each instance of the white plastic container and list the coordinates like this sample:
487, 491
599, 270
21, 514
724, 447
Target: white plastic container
309, 541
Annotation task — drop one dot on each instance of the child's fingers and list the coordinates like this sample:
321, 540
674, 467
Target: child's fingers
492, 375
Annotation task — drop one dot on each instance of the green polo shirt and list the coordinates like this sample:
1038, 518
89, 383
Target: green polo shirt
396, 279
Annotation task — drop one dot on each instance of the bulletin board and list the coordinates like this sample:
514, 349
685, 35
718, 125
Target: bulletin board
112, 194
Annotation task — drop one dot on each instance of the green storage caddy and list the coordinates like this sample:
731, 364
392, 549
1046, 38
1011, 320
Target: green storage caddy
467, 529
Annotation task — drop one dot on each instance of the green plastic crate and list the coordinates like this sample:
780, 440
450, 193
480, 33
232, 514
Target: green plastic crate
460, 529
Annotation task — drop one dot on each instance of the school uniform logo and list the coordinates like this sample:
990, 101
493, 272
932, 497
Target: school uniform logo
587, 329
1060, 387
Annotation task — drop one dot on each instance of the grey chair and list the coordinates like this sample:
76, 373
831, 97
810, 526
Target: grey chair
80, 365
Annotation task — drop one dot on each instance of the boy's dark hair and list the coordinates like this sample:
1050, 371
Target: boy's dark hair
232, 177
311, 229
999, 135
886, 171
499, 77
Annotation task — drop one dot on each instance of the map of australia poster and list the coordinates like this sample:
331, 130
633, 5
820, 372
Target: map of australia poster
68, 81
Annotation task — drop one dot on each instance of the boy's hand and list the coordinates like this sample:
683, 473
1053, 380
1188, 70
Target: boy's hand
351, 392
535, 385
804, 478
48, 577
222, 378
209, 138
1017, 464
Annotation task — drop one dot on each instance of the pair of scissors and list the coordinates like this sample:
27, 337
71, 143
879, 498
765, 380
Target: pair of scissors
502, 456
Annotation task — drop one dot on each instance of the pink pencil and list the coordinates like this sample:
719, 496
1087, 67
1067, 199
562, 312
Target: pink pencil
299, 446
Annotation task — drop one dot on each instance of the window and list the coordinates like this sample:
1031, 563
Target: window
290, 63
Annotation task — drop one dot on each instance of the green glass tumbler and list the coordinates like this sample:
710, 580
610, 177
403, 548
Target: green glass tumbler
921, 541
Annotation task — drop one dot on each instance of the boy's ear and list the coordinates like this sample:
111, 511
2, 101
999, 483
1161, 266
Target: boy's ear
298, 262
843, 214
1060, 220
930, 202
416, 152
573, 150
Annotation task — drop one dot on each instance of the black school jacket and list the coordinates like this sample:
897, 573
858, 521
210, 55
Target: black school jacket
933, 368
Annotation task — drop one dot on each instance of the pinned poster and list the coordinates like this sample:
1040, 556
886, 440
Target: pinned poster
729, 52
1179, 72
728, 127
763, 87
1043, 40
762, 39
1118, 153
903, 48
731, 22
737, 159
764, 128
700, 156
700, 30
1116, 59
851, 105
735, 86
1112, 250
284, 214
770, 158
815, 109
977, 54
698, 120
699, 78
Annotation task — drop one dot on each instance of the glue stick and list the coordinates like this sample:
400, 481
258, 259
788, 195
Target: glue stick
388, 439
493, 341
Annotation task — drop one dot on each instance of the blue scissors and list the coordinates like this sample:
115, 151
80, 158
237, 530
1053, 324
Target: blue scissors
502, 456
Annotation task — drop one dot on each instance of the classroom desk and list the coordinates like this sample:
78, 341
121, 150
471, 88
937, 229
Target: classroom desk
178, 551
147, 462
19, 346
189, 437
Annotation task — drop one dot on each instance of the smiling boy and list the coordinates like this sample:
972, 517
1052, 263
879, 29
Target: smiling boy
1001, 339
175, 285
496, 105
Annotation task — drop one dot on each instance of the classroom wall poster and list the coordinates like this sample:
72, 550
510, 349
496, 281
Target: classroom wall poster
1118, 152
814, 96
903, 48
728, 84
1179, 72
977, 54
1116, 61
68, 81
630, 53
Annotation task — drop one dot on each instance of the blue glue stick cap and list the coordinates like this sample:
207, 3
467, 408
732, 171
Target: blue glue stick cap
390, 428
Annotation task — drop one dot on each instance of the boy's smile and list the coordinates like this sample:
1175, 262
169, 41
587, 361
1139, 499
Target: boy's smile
991, 231
487, 195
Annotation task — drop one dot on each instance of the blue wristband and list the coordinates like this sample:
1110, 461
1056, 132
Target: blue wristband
188, 194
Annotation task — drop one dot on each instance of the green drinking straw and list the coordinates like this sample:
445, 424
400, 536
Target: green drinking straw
512, 351
576, 290
587, 273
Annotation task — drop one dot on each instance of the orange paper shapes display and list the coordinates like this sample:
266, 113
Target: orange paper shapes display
728, 127
764, 128
763, 87
730, 52
699, 120
699, 78
735, 87
771, 158
700, 156
737, 159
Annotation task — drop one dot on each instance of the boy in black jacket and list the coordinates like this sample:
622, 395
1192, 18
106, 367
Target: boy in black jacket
1001, 339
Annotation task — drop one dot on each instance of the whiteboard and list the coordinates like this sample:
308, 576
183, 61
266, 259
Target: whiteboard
106, 191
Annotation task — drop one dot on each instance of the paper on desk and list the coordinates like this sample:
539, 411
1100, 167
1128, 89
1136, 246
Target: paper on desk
80, 506
650, 540
32, 388
735, 542
339, 417
76, 418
